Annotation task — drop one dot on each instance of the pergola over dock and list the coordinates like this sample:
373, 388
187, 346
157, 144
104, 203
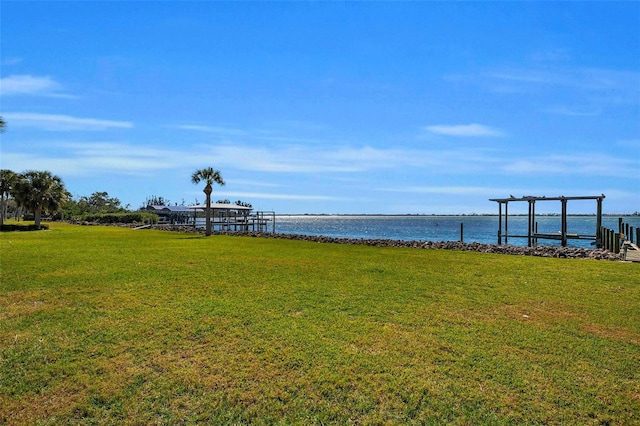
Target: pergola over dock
532, 232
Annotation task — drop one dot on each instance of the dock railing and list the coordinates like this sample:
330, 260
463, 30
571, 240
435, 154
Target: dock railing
258, 221
613, 241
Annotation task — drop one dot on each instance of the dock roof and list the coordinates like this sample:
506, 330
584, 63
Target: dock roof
172, 209
543, 198
220, 206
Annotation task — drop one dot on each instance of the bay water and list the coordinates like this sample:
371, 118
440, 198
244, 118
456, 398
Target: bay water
481, 229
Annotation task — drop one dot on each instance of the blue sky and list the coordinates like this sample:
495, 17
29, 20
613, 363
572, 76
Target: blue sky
327, 107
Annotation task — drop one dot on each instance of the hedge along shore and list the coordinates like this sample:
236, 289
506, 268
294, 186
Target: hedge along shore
541, 251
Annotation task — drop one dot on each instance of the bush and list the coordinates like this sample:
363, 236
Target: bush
22, 227
129, 217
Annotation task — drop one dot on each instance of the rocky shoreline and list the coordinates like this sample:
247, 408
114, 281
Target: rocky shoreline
541, 251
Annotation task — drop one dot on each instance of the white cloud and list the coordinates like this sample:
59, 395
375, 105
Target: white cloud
337, 162
267, 196
603, 79
210, 129
612, 86
254, 183
528, 76
334, 161
585, 164
29, 85
572, 112
301, 159
22, 161
61, 122
121, 157
448, 190
263, 135
483, 191
464, 130
81, 159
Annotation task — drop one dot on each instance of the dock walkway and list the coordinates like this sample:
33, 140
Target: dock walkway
631, 252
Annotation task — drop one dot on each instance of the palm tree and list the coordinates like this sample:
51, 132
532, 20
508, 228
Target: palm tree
38, 191
210, 176
8, 179
3, 124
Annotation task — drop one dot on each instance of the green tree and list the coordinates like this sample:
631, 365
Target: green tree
40, 191
100, 202
155, 200
8, 179
209, 176
97, 203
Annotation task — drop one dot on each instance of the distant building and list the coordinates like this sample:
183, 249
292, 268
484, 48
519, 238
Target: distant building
224, 217
172, 214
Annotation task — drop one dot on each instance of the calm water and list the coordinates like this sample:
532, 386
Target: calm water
482, 229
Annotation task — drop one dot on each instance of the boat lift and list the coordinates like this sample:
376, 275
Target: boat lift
532, 232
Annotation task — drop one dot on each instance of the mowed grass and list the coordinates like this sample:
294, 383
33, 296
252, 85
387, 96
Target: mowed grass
104, 325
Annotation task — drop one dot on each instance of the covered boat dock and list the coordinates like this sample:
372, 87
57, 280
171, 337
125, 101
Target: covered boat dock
237, 218
532, 235
175, 215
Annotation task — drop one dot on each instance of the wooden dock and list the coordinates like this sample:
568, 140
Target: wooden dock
631, 252
142, 227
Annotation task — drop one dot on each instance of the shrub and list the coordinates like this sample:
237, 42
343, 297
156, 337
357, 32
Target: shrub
22, 227
128, 217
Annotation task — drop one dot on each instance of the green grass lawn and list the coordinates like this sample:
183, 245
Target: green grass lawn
108, 325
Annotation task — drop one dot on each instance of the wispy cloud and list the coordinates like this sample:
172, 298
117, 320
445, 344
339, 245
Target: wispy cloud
19, 161
464, 130
599, 84
210, 129
267, 135
340, 160
30, 85
62, 122
122, 157
268, 196
584, 78
92, 158
254, 183
447, 190
594, 164
303, 159
335, 161
572, 112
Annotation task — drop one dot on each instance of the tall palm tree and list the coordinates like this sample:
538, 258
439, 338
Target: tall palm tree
209, 176
8, 179
38, 191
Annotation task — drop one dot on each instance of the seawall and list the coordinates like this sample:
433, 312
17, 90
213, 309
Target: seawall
541, 251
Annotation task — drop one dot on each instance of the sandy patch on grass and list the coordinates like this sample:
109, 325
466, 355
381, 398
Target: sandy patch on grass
17, 304
614, 333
